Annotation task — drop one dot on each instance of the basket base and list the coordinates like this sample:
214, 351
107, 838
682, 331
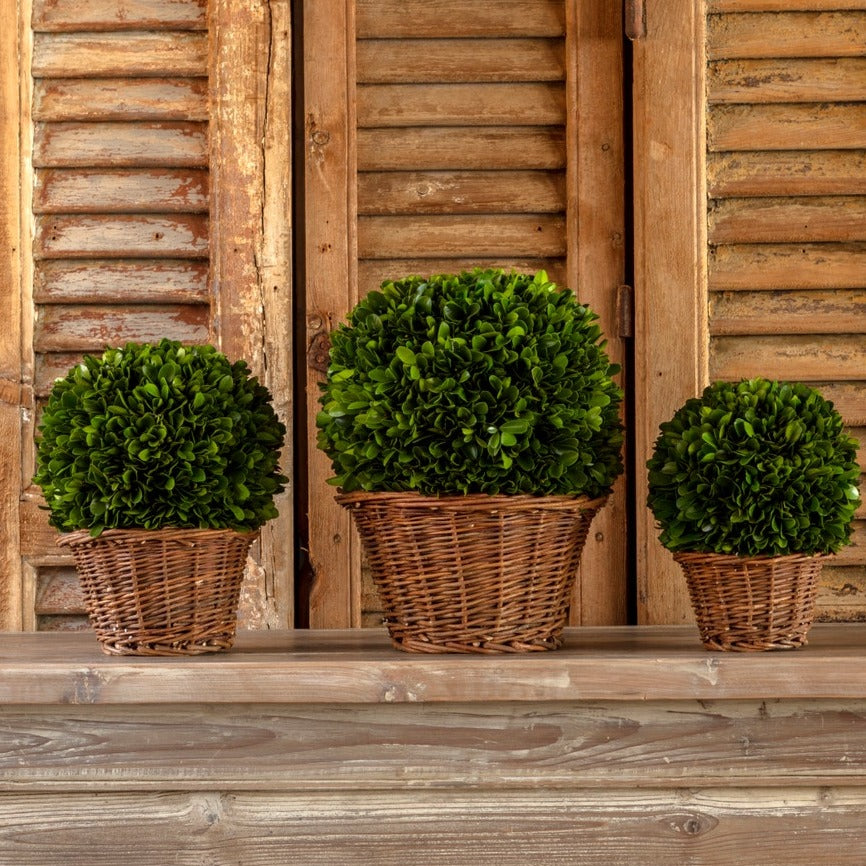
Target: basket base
419, 644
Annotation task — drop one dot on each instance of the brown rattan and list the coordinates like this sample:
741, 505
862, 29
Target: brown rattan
473, 574
161, 591
752, 603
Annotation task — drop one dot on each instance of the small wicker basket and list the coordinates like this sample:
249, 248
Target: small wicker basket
752, 603
476, 573
161, 591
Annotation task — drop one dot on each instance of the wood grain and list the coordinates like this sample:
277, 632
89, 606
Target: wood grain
715, 6
788, 34
401, 61
121, 191
97, 15
100, 55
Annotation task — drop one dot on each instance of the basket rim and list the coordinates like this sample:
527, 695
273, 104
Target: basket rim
472, 500
83, 536
689, 556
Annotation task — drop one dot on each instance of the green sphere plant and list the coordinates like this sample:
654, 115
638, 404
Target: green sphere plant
754, 468
481, 382
152, 436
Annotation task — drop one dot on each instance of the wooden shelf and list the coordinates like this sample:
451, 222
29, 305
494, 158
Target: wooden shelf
361, 667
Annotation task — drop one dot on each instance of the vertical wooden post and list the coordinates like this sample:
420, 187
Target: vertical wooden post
671, 339
250, 236
596, 257
331, 285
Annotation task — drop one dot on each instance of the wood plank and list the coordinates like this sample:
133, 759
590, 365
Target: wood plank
89, 328
787, 34
81, 237
842, 594
125, 99
402, 61
786, 173
155, 190
465, 192
46, 369
513, 104
820, 126
141, 281
98, 15
854, 554
251, 243
463, 236
714, 6
787, 80
806, 358
788, 220
38, 538
62, 622
58, 591
787, 266
796, 312
107, 145
460, 148
850, 400
372, 272
106, 55
453, 18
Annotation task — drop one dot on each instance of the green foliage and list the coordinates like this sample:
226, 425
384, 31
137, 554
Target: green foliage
483, 382
754, 468
153, 436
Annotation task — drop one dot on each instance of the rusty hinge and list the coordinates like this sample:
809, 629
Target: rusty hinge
635, 19
625, 312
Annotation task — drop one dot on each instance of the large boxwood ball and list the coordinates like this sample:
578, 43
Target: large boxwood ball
151, 436
754, 468
481, 382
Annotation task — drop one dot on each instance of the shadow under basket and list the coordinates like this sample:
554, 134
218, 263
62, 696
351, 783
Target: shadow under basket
752, 603
475, 573
161, 591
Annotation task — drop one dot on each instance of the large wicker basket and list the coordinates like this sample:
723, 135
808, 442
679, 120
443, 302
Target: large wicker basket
473, 574
752, 603
161, 591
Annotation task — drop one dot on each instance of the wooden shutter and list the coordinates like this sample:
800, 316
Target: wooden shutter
770, 132
441, 135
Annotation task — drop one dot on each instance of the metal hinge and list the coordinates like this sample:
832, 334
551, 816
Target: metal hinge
625, 312
635, 19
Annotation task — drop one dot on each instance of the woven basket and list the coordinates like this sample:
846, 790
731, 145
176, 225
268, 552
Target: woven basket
162, 591
473, 574
752, 603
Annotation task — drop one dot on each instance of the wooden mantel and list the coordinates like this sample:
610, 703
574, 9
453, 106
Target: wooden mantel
628, 746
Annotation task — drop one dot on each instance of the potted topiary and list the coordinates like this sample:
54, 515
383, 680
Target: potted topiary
158, 463
473, 427
752, 485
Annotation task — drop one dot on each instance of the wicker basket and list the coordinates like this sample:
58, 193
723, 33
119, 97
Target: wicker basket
752, 603
473, 574
161, 591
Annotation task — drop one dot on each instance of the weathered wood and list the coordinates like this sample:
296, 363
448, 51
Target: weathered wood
400, 61
786, 266
97, 15
786, 173
58, 591
786, 80
137, 145
788, 220
168, 236
121, 191
38, 539
89, 55
855, 552
123, 99
462, 236
67, 328
842, 594
513, 104
134, 281
670, 343
787, 34
808, 358
797, 312
454, 18
821, 126
467, 192
46, 369
461, 148
849, 398
782, 5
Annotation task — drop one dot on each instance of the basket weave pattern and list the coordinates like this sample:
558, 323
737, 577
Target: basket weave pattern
752, 603
162, 591
473, 574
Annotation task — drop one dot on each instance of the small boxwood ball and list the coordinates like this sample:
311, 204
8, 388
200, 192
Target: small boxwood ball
159, 435
754, 468
481, 382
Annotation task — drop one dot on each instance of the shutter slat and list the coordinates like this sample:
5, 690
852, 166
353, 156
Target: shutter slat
76, 15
